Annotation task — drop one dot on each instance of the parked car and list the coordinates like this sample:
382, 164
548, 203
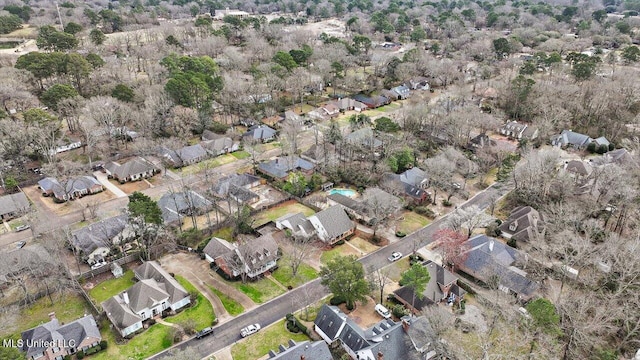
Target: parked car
395, 256
98, 265
20, 244
249, 330
204, 332
22, 227
383, 311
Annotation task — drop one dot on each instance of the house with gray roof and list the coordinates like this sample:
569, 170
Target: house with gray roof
575, 140
419, 83
411, 339
580, 171
249, 259
280, 167
374, 203
518, 131
137, 168
260, 133
184, 156
221, 145
175, 206
297, 223
620, 157
305, 350
237, 187
319, 153
13, 205
73, 188
95, 241
524, 224
155, 292
365, 138
332, 224
442, 286
402, 91
54, 340
412, 184
488, 258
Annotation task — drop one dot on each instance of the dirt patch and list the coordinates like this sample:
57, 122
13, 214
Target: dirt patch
131, 187
364, 314
473, 315
268, 195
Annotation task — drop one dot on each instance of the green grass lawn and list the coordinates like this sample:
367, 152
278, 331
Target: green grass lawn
202, 312
153, 340
363, 245
398, 268
390, 107
111, 287
259, 344
343, 250
241, 154
209, 163
68, 307
259, 291
412, 222
268, 146
224, 233
233, 307
289, 207
284, 274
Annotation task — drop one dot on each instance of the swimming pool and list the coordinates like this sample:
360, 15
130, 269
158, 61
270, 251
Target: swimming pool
346, 192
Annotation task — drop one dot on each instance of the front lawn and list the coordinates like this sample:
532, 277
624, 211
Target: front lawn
233, 307
284, 274
339, 250
241, 154
259, 291
201, 313
259, 344
363, 245
152, 341
208, 164
398, 268
111, 287
412, 222
289, 207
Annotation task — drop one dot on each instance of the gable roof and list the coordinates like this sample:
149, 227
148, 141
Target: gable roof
67, 335
77, 184
119, 312
334, 220
13, 203
218, 145
414, 176
617, 156
364, 137
527, 220
317, 350
153, 270
440, 277
99, 234
281, 166
145, 293
409, 189
137, 165
251, 254
297, 222
330, 320
260, 132
175, 205
568, 137
579, 167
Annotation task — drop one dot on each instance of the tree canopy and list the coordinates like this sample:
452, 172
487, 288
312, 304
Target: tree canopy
345, 278
416, 278
141, 205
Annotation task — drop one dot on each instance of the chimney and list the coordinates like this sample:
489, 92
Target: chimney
125, 297
491, 245
52, 316
302, 357
405, 326
380, 356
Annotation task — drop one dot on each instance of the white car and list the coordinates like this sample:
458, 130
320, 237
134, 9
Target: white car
249, 330
395, 256
98, 265
383, 311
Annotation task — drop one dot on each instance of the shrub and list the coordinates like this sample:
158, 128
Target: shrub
424, 211
341, 242
337, 300
103, 344
446, 203
80, 355
466, 287
400, 234
512, 242
399, 311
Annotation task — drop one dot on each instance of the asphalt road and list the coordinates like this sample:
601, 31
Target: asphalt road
229, 332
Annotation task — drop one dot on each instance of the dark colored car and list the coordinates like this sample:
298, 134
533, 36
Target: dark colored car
204, 332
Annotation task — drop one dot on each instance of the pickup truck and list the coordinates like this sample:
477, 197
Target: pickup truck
249, 330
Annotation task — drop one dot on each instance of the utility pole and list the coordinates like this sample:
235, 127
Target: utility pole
59, 17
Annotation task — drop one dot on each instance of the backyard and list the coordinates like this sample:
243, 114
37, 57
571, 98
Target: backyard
233, 307
111, 287
289, 207
258, 345
284, 274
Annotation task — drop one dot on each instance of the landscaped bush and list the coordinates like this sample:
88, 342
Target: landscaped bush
341, 242
337, 300
415, 259
466, 287
294, 325
400, 234
424, 211
446, 203
103, 344
80, 355
399, 311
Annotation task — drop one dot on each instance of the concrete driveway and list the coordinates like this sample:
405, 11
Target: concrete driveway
102, 177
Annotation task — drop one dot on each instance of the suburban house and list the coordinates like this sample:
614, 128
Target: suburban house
317, 114
410, 339
73, 188
155, 292
488, 259
249, 259
54, 340
364, 138
411, 184
137, 168
524, 224
220, 14
18, 261
221, 145
305, 350
238, 187
175, 206
95, 241
375, 203
419, 83
577, 140
620, 157
318, 153
580, 171
480, 141
442, 286
402, 91
346, 104
518, 131
260, 133
280, 167
331, 109
13, 205
372, 102
332, 224
184, 156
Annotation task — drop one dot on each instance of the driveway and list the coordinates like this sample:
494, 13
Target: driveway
102, 177
311, 292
